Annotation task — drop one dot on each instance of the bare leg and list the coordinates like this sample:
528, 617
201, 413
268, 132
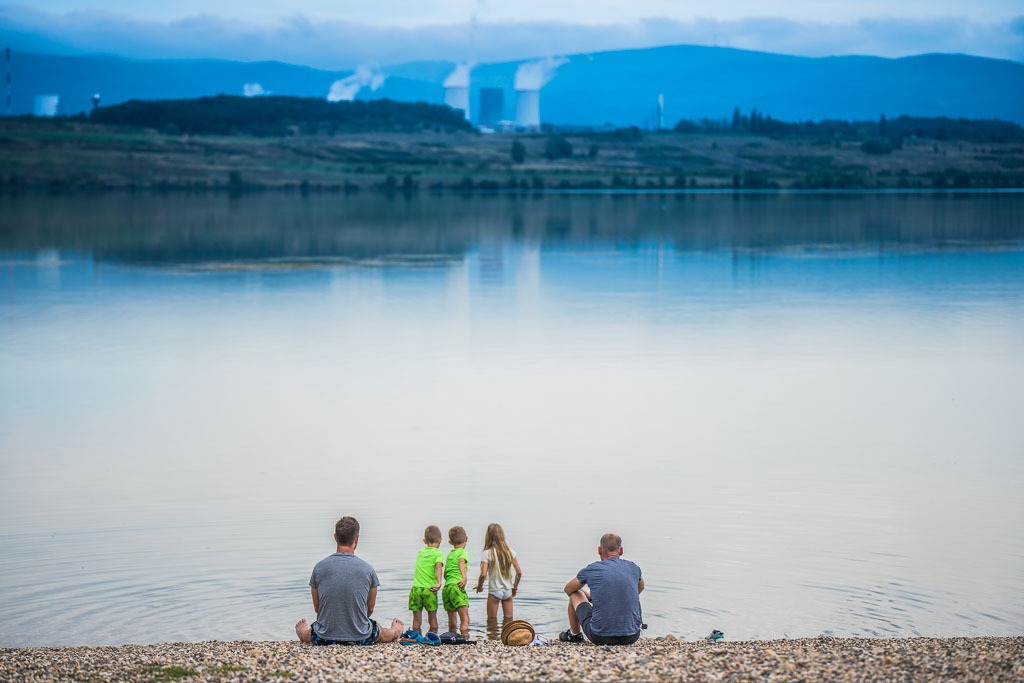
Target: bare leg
506, 609
417, 621
432, 619
463, 621
492, 607
304, 631
575, 600
390, 635
452, 617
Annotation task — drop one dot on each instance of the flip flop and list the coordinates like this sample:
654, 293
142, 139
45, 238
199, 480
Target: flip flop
429, 639
410, 637
453, 638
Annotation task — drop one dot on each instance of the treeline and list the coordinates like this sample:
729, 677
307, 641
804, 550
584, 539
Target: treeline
937, 128
276, 116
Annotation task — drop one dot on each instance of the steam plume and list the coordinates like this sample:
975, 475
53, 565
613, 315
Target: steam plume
535, 75
345, 89
459, 77
253, 90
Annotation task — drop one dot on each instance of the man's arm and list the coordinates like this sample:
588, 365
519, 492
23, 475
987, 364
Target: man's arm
316, 599
640, 586
573, 586
371, 601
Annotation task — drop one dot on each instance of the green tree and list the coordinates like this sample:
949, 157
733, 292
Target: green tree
557, 147
518, 152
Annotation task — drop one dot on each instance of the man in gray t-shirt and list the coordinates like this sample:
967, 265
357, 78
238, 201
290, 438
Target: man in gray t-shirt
610, 613
344, 590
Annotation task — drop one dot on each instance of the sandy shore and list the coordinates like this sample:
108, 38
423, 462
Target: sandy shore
652, 659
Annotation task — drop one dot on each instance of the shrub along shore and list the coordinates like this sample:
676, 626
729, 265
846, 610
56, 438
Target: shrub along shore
651, 659
70, 154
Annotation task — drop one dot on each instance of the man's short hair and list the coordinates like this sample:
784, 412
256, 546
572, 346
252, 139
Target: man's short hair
432, 534
346, 530
611, 543
456, 535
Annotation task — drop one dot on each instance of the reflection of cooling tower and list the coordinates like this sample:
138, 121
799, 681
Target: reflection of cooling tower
457, 97
492, 106
528, 108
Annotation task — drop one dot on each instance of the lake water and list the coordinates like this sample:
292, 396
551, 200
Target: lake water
801, 412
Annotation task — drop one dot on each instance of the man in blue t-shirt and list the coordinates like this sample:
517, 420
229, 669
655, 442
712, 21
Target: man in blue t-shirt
610, 613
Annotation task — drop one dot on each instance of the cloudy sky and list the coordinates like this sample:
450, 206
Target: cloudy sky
340, 34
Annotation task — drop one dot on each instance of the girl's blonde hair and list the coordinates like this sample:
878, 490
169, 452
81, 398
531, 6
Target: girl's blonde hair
494, 540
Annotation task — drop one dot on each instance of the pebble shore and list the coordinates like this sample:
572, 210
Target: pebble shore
651, 659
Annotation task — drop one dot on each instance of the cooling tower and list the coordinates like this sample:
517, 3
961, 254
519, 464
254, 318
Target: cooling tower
457, 97
528, 109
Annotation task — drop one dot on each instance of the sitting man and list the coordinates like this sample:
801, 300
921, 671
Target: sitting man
610, 613
344, 590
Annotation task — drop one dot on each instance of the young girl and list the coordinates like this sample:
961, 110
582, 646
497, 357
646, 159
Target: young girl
497, 563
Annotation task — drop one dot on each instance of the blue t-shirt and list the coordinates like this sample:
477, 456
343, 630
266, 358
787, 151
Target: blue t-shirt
613, 591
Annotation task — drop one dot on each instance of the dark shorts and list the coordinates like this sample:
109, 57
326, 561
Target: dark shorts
584, 612
368, 640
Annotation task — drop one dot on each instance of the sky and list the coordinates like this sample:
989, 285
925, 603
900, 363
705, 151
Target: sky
340, 34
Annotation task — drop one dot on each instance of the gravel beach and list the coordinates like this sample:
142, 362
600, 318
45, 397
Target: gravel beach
652, 659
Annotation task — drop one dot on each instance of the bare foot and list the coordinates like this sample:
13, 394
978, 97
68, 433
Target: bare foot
398, 626
303, 631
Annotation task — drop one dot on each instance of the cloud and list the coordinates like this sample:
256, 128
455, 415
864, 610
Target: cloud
335, 44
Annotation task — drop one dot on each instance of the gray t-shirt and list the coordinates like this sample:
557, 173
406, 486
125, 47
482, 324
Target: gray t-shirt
613, 590
343, 582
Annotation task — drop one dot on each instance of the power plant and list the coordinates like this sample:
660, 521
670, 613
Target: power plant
492, 106
46, 105
530, 78
456, 89
528, 109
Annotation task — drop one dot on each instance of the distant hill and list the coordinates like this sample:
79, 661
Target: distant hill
619, 87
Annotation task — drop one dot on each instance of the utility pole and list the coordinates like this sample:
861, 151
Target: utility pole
7, 86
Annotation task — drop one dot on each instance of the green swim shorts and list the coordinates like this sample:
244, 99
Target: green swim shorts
454, 597
422, 598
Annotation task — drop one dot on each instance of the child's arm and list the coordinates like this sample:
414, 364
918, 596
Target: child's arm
519, 575
439, 573
483, 574
462, 570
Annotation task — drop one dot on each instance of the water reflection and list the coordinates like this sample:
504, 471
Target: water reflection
800, 412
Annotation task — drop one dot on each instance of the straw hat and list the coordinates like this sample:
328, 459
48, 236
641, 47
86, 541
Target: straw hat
517, 632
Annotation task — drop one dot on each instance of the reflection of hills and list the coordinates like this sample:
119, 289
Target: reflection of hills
288, 231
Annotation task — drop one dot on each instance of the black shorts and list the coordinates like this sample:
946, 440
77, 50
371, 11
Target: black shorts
368, 640
584, 612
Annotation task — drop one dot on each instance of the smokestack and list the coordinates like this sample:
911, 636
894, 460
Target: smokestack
661, 111
456, 89
7, 87
530, 78
95, 100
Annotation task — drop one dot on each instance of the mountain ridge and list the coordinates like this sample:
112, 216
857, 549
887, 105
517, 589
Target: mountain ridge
617, 87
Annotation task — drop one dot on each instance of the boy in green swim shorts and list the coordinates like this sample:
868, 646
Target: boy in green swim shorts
426, 580
456, 602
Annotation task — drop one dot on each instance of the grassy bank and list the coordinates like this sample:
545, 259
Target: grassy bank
824, 659
77, 155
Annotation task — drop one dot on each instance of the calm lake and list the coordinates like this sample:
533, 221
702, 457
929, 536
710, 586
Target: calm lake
802, 412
